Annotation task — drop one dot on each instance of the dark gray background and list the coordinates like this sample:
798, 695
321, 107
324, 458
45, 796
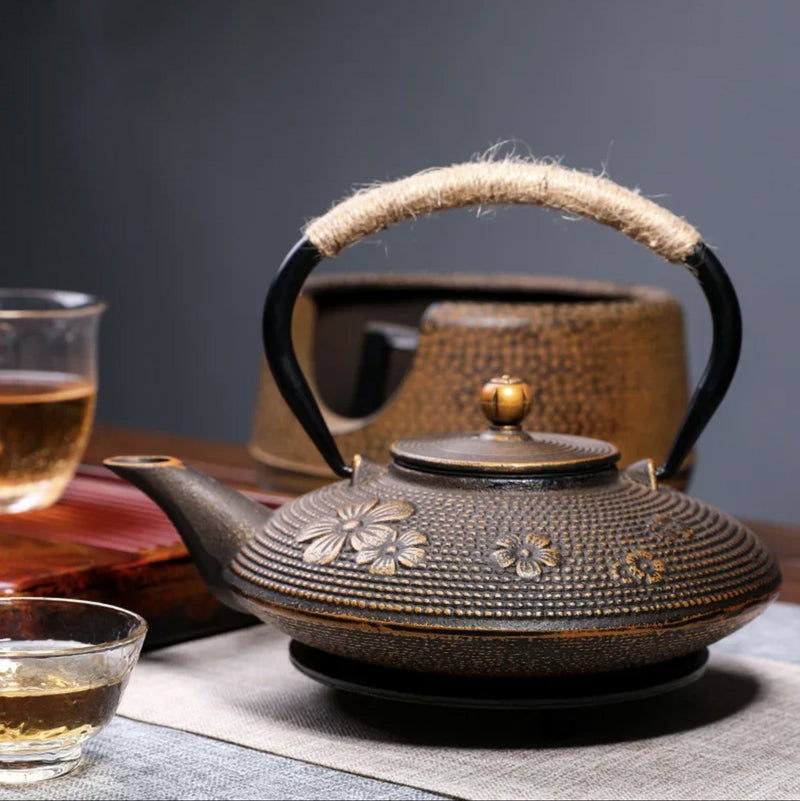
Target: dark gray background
164, 155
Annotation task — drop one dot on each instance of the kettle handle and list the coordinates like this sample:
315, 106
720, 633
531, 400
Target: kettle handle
495, 183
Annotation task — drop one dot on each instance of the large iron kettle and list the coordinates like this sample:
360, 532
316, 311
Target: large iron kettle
498, 553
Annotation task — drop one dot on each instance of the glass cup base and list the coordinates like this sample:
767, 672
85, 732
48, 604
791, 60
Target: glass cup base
38, 767
35, 495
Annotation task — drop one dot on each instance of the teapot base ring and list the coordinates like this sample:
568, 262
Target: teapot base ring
632, 684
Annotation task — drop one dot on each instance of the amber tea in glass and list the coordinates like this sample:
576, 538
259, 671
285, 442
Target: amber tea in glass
40, 705
62, 673
48, 386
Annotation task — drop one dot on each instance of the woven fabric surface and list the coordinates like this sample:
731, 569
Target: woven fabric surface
132, 760
735, 733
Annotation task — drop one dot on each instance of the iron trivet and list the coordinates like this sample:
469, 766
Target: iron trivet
503, 693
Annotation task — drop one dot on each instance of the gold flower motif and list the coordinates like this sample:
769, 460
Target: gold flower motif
528, 553
668, 528
359, 523
640, 568
383, 556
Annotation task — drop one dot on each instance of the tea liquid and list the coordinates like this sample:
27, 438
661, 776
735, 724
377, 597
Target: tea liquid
45, 703
45, 419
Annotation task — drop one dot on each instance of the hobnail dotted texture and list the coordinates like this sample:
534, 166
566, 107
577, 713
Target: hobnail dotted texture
579, 553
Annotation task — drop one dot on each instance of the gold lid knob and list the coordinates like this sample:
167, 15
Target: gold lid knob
506, 400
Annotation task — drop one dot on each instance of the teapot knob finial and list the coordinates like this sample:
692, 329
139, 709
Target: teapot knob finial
505, 401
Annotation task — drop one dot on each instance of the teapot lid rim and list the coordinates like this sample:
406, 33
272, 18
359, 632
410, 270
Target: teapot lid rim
505, 451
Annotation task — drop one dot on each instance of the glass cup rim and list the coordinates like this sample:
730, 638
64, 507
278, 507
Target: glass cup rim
89, 648
72, 303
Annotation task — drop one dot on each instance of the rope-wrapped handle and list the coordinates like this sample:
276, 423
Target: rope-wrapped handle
503, 183
494, 183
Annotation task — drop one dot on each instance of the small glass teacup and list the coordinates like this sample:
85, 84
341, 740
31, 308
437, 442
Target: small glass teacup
48, 387
63, 667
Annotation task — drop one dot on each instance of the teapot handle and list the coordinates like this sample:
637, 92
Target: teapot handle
494, 183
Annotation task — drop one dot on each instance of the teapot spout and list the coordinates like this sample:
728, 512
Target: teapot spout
213, 520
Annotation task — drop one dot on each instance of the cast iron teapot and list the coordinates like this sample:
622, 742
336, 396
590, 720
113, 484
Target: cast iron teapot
500, 553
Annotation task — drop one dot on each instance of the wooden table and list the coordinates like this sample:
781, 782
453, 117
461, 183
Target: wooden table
233, 465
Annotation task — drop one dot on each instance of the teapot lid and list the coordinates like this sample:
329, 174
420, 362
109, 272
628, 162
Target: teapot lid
504, 449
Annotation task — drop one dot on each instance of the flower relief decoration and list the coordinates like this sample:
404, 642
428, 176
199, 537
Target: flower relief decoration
527, 553
364, 528
668, 529
639, 568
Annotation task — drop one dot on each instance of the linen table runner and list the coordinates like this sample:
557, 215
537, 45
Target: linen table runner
733, 734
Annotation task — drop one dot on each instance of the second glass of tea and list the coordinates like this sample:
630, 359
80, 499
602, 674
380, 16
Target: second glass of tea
48, 387
64, 665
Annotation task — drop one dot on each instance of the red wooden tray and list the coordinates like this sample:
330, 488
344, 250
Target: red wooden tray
106, 541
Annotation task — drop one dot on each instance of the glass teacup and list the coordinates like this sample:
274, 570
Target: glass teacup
63, 667
48, 385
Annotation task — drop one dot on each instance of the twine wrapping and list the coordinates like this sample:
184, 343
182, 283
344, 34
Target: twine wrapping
504, 182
